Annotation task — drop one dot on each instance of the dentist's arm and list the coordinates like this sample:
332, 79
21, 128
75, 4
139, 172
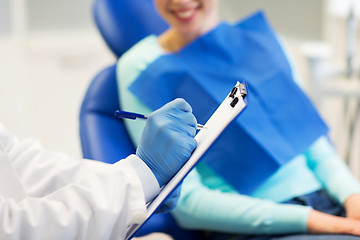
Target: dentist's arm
83, 199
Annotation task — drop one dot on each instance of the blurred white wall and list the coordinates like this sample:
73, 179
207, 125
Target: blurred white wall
4, 17
50, 50
59, 15
301, 19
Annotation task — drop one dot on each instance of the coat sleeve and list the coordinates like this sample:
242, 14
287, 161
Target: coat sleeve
72, 199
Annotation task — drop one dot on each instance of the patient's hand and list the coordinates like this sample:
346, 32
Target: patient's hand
319, 222
352, 207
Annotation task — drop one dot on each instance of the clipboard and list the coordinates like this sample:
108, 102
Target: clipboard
231, 107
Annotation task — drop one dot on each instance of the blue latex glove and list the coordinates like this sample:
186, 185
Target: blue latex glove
168, 139
170, 202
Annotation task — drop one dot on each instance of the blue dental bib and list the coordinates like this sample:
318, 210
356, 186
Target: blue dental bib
279, 122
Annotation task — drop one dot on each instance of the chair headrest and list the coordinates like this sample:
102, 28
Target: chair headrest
122, 23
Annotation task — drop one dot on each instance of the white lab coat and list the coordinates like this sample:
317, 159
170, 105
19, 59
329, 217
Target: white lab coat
68, 198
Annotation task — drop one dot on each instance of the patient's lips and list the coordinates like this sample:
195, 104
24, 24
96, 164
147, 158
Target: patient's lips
185, 15
185, 12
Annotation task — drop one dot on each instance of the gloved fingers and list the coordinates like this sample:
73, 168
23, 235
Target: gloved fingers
190, 141
171, 201
188, 118
176, 193
168, 205
168, 139
180, 104
163, 208
191, 130
185, 121
174, 119
182, 127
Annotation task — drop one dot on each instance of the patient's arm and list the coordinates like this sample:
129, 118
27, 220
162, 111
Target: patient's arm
352, 206
207, 209
324, 223
331, 170
203, 208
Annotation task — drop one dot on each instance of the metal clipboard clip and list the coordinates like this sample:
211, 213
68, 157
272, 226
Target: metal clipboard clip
242, 88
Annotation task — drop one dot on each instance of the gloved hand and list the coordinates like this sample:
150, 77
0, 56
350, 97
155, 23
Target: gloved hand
168, 139
170, 202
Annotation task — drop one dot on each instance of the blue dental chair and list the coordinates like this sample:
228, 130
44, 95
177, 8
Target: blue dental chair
103, 137
122, 23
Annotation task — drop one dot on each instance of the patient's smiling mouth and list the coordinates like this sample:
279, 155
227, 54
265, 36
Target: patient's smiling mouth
185, 13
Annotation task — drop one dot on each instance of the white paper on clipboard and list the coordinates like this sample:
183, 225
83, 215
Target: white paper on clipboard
221, 118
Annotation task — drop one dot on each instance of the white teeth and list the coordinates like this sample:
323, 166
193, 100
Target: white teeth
185, 14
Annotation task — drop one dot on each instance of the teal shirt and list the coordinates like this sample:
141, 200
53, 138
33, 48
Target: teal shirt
208, 202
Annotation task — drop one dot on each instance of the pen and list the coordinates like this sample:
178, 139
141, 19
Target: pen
134, 116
